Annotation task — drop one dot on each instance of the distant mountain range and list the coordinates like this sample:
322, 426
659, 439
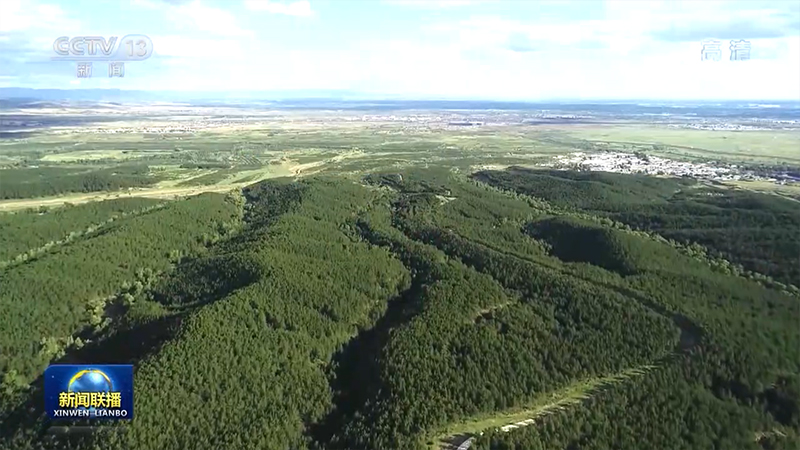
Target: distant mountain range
28, 98
122, 95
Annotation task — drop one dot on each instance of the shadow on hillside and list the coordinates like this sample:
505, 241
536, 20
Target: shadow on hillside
124, 347
196, 282
356, 378
129, 343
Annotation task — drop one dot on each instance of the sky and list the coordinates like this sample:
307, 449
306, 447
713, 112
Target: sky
419, 49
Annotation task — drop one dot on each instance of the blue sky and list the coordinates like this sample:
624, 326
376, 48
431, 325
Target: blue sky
477, 49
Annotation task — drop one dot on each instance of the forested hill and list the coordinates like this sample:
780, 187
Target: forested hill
48, 181
414, 310
759, 232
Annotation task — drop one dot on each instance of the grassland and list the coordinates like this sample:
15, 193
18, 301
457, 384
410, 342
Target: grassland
95, 155
771, 147
294, 144
788, 191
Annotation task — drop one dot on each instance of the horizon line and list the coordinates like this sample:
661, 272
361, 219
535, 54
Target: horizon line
347, 95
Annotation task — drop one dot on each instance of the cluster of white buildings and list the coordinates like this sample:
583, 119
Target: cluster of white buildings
718, 126
176, 129
184, 127
651, 165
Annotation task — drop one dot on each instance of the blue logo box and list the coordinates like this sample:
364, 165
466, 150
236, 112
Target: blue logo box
87, 391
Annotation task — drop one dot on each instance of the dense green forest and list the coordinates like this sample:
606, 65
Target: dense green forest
32, 229
46, 301
381, 312
758, 231
47, 181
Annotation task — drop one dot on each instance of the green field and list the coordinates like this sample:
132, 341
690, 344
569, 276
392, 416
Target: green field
771, 147
233, 158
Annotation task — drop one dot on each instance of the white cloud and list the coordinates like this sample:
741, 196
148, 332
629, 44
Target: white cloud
420, 68
625, 29
614, 54
197, 15
300, 8
492, 34
209, 49
471, 58
210, 19
435, 4
11, 18
49, 10
19, 15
